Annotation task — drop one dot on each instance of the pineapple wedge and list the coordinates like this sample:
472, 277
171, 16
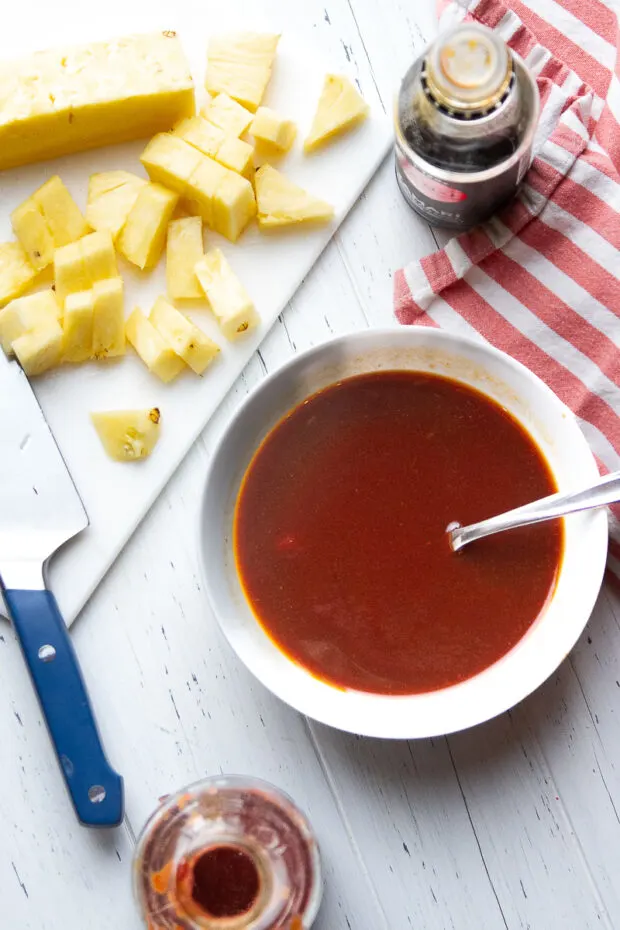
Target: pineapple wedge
34, 234
184, 250
144, 234
189, 342
229, 115
171, 161
78, 326
111, 195
158, 357
26, 314
78, 265
240, 65
226, 295
16, 272
340, 107
282, 203
273, 130
40, 350
108, 319
127, 435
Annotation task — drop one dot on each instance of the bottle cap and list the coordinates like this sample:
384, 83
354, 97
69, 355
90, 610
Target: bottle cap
468, 68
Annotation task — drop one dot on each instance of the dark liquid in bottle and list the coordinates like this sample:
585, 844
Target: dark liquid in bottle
458, 143
224, 881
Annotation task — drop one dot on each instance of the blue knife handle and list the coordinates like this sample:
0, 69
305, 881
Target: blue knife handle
95, 788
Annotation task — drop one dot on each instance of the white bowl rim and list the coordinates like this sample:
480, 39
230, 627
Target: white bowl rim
389, 717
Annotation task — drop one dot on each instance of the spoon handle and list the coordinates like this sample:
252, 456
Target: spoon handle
605, 491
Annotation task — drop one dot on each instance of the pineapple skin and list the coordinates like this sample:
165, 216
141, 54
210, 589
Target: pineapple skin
144, 234
227, 297
159, 358
128, 435
184, 248
186, 339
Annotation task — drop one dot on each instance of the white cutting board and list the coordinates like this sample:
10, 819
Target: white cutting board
117, 496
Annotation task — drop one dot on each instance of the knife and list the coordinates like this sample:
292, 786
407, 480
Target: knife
40, 509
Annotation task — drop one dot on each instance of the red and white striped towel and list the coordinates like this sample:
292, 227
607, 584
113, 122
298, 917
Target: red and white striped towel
540, 280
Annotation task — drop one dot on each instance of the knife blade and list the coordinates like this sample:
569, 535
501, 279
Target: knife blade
40, 509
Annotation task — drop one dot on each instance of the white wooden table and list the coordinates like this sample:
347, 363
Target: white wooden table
515, 824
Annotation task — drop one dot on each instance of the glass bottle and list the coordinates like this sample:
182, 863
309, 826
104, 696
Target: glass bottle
228, 853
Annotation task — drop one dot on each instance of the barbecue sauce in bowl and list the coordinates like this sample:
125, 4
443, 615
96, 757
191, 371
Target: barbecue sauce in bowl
340, 533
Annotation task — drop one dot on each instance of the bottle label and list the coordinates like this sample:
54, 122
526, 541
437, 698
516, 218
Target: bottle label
430, 187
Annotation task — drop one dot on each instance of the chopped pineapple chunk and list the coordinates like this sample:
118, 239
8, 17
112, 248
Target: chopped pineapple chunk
170, 160
78, 265
70, 273
50, 218
25, 314
233, 153
61, 213
223, 198
127, 435
78, 326
144, 234
229, 115
272, 129
281, 203
187, 340
184, 249
240, 65
340, 107
111, 195
227, 296
108, 319
158, 357
98, 255
201, 134
234, 206
237, 155
40, 350
16, 272
34, 234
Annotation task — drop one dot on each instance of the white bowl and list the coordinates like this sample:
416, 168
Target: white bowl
547, 642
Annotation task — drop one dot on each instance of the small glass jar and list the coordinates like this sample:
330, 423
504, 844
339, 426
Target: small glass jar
228, 853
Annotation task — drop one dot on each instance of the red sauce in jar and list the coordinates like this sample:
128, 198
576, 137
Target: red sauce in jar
340, 535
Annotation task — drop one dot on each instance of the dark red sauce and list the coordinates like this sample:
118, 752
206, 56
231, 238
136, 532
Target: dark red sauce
340, 533
222, 881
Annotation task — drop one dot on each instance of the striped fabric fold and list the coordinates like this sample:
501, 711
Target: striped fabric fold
540, 279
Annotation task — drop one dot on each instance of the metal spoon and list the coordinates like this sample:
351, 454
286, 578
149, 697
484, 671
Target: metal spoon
605, 491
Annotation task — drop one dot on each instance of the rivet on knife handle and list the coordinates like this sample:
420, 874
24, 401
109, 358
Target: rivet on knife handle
95, 788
